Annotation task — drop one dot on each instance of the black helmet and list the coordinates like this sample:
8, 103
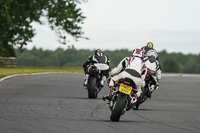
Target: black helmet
98, 52
150, 45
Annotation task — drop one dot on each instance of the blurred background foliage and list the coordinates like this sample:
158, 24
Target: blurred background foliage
71, 57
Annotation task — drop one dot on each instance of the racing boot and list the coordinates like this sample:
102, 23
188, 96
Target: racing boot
86, 80
102, 81
109, 95
133, 103
152, 88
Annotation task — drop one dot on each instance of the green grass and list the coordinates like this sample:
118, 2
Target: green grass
6, 71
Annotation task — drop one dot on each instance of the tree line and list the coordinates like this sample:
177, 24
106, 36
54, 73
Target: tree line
71, 57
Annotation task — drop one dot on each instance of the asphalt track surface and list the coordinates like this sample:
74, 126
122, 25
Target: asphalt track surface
58, 103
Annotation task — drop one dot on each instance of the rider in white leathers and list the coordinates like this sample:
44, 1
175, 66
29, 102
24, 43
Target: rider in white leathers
149, 50
152, 63
130, 67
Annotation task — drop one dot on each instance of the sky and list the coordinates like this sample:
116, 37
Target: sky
171, 25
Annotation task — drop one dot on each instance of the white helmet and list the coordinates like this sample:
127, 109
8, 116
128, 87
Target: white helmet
137, 53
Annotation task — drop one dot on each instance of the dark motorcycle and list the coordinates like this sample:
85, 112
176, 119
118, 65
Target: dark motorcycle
122, 100
94, 80
149, 81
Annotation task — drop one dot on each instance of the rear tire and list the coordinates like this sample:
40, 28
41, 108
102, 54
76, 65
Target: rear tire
118, 107
92, 92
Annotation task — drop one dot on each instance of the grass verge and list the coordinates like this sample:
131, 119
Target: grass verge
6, 71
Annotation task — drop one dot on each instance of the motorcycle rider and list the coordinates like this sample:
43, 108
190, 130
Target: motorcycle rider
151, 57
99, 58
153, 64
149, 50
130, 67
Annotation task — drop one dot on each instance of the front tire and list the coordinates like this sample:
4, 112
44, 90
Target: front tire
140, 100
137, 104
92, 92
118, 107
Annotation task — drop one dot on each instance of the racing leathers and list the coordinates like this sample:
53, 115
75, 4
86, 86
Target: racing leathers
130, 67
154, 67
152, 62
149, 51
102, 62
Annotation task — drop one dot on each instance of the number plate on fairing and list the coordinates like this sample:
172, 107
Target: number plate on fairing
125, 89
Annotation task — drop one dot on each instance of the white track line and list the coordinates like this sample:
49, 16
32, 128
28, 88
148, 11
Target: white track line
14, 75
